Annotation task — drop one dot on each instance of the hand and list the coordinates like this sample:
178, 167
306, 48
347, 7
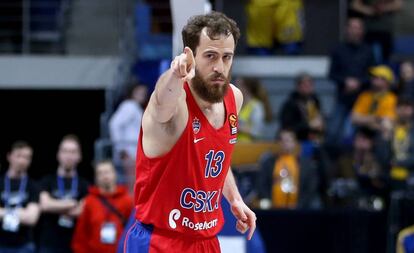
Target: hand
387, 127
351, 85
316, 123
76, 211
246, 218
183, 66
70, 203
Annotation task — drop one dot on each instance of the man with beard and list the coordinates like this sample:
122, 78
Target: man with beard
188, 132
61, 198
375, 108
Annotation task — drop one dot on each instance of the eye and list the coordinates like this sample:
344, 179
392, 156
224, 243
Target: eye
228, 57
210, 56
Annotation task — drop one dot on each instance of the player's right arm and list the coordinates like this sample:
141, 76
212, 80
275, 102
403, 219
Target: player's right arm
169, 88
166, 115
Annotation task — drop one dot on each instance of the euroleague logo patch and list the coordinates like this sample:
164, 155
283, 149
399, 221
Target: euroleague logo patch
196, 125
233, 123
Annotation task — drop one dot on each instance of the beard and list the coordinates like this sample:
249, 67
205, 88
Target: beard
206, 90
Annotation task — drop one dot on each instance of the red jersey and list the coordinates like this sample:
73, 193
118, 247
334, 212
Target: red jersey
181, 190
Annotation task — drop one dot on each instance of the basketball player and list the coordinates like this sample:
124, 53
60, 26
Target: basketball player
187, 137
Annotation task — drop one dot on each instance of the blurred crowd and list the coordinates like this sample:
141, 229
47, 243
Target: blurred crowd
361, 156
60, 213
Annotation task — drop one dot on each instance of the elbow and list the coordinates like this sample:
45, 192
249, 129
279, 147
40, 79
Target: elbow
32, 221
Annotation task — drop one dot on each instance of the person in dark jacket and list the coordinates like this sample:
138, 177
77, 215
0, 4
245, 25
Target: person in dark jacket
302, 112
397, 146
349, 70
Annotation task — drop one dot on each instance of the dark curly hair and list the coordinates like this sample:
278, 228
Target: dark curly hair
217, 24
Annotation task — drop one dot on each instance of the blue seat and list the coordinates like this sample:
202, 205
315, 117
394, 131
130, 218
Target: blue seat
150, 46
45, 15
404, 45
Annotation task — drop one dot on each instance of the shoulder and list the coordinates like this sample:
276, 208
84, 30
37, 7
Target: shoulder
83, 183
391, 96
127, 105
365, 95
238, 96
47, 180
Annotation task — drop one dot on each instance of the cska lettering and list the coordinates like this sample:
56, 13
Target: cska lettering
200, 201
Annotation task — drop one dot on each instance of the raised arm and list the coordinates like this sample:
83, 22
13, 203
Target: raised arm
166, 115
169, 88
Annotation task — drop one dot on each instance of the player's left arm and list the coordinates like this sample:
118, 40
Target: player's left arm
246, 218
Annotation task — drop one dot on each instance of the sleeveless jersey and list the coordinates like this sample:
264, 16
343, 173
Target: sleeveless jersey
181, 190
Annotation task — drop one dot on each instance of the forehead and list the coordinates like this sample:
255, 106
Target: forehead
221, 43
26, 150
69, 144
104, 167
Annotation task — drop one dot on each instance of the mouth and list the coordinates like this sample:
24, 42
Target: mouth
218, 80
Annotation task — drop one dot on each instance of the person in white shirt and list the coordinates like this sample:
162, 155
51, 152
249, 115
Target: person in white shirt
124, 127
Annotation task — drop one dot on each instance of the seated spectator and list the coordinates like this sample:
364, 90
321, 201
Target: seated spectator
124, 127
349, 69
360, 177
397, 145
105, 213
375, 108
406, 83
302, 111
287, 180
269, 20
255, 112
61, 199
19, 202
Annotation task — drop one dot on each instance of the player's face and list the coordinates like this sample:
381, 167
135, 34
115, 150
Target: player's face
69, 154
105, 175
214, 59
20, 159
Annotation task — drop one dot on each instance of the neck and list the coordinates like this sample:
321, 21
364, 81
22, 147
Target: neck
107, 189
65, 172
15, 173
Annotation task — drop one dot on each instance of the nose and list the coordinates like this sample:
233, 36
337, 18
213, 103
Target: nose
219, 66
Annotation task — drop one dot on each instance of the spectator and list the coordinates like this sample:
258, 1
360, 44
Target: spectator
361, 174
302, 112
106, 210
255, 112
61, 199
19, 203
397, 145
350, 63
270, 20
375, 108
288, 180
124, 127
406, 83
379, 18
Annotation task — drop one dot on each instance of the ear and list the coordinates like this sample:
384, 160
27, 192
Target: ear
8, 156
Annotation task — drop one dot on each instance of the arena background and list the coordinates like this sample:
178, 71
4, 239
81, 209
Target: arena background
64, 68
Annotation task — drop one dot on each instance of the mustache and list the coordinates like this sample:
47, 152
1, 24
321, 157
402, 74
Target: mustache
217, 76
